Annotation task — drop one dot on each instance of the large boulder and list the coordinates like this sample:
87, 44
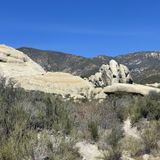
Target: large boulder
131, 88
18, 67
14, 63
110, 74
89, 151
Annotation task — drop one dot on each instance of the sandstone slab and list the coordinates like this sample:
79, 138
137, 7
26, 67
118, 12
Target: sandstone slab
131, 88
18, 67
64, 84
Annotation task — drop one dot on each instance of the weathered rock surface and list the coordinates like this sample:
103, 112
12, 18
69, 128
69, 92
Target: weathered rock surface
64, 84
111, 74
131, 88
89, 151
15, 63
156, 85
150, 157
29, 75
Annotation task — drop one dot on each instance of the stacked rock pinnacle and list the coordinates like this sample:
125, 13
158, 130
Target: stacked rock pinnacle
110, 74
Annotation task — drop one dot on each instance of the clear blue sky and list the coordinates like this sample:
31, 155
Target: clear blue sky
82, 27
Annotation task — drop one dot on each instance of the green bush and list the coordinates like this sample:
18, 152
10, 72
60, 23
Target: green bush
113, 154
115, 136
65, 151
151, 135
56, 147
23, 115
132, 145
92, 126
114, 151
145, 108
19, 145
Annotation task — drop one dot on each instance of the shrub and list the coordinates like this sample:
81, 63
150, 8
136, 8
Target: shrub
151, 135
145, 108
19, 145
68, 126
133, 146
64, 151
113, 154
115, 136
92, 126
23, 114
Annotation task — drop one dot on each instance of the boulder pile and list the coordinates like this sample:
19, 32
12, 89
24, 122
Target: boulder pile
110, 74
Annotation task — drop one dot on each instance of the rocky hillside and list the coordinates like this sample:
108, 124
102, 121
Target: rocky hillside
58, 61
144, 66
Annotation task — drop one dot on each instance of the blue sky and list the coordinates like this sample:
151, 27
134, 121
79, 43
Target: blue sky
82, 27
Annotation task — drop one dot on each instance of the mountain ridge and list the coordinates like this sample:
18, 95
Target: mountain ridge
144, 65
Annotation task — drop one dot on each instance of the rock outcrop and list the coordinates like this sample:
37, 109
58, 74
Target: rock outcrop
89, 151
18, 67
156, 85
111, 74
14, 63
64, 84
131, 88
112, 78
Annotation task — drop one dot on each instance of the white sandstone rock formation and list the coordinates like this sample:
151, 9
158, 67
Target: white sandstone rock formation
131, 88
89, 151
111, 74
14, 63
17, 66
60, 83
150, 157
156, 85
